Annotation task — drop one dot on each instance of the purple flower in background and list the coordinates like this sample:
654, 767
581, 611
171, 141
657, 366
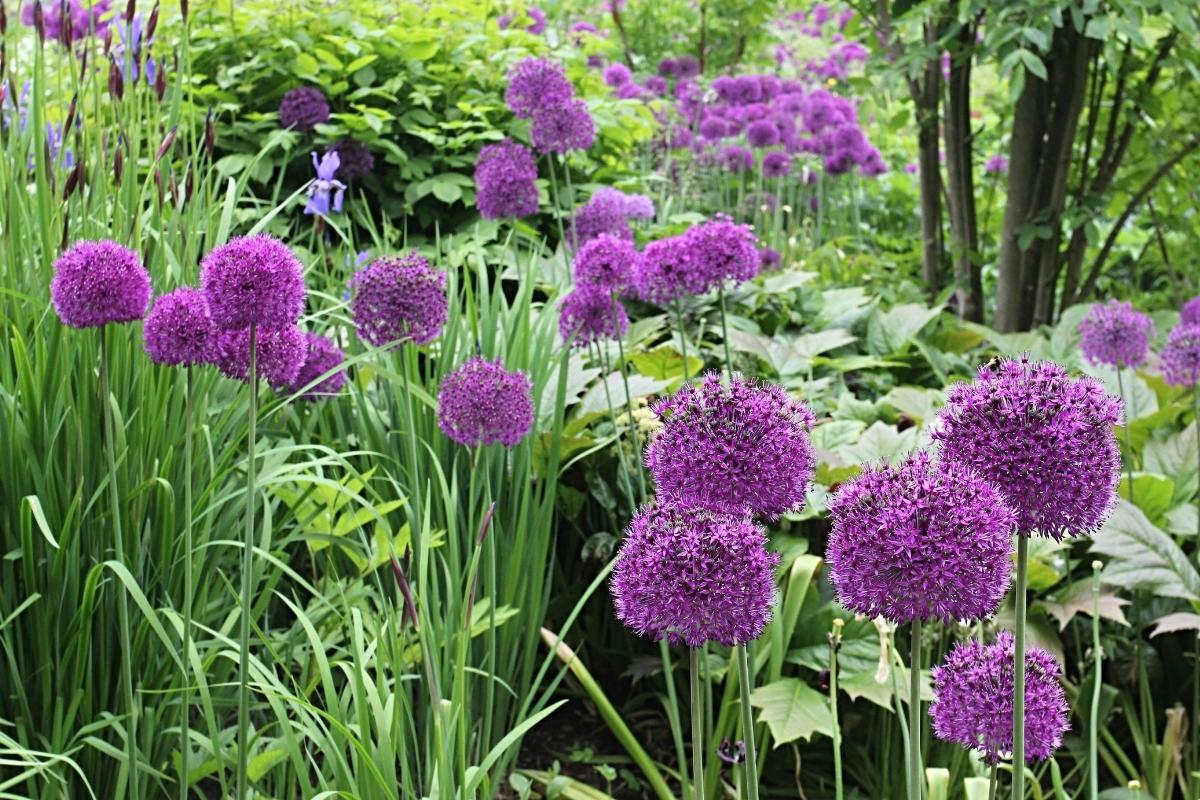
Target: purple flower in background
1044, 439
355, 159
130, 41
735, 449
606, 261
78, 22
768, 258
482, 403
606, 212
179, 329
1115, 334
1190, 313
303, 108
687, 67
973, 700
664, 271
693, 576
996, 165
630, 91
506, 181
562, 128
737, 159
912, 168
253, 280
320, 356
325, 186
776, 165
762, 133
723, 250
591, 314
872, 163
584, 27
617, 74
639, 206
535, 84
537, 25
713, 128
920, 542
655, 85
97, 283
1181, 357
398, 299
279, 354
668, 68
679, 137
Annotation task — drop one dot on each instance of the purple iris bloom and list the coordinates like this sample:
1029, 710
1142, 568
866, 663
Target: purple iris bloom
325, 186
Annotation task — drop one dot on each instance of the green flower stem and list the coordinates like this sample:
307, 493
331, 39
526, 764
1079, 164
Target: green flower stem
1094, 710
746, 686
835, 641
674, 717
993, 781
186, 702
633, 428
1128, 443
612, 414
243, 740
725, 333
697, 726
1018, 750
682, 339
914, 713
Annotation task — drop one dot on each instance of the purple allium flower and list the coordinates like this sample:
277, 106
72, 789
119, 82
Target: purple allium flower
723, 250
777, 164
617, 74
537, 83
97, 283
355, 159
482, 403
665, 272
1181, 357
687, 67
713, 128
179, 330
631, 91
584, 27
920, 541
506, 181
737, 448
78, 22
562, 128
639, 206
872, 164
679, 137
398, 299
655, 85
303, 108
591, 314
996, 165
325, 187
253, 280
692, 576
1042, 438
1115, 334
973, 700
1190, 313
606, 261
737, 159
912, 168
321, 356
768, 258
762, 133
668, 68
608, 211
279, 354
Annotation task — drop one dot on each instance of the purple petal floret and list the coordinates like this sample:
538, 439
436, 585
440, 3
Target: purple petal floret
320, 356
996, 165
1190, 313
692, 576
920, 541
482, 403
1181, 356
562, 128
398, 299
253, 280
303, 108
762, 133
723, 250
97, 283
591, 314
973, 700
606, 261
506, 181
777, 164
179, 330
536, 83
734, 448
687, 67
1116, 335
279, 354
666, 272
1042, 438
608, 211
617, 74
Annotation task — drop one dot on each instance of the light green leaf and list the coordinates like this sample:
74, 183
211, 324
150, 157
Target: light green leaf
665, 363
595, 400
1151, 493
881, 443
1143, 557
891, 332
792, 710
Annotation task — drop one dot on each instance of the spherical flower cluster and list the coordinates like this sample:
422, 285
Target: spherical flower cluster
1042, 438
537, 26
303, 108
355, 160
97, 283
179, 330
591, 314
482, 403
279, 354
762, 133
737, 159
996, 165
607, 262
1116, 335
506, 181
639, 206
1190, 313
617, 74
776, 165
973, 700
398, 299
666, 272
79, 20
608, 211
768, 258
692, 576
920, 541
253, 280
320, 356
723, 250
735, 448
1181, 356
534, 84
564, 127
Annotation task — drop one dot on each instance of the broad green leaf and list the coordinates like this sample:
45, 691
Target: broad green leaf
792, 710
920, 405
665, 363
597, 397
1179, 621
1143, 557
1174, 457
881, 443
892, 331
1151, 493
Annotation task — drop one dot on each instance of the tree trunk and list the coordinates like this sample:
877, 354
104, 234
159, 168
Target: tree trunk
926, 93
964, 231
1029, 120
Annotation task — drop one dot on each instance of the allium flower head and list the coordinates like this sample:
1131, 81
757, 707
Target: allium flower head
639, 206
1042, 438
591, 314
563, 128
179, 330
506, 181
920, 541
253, 280
777, 164
303, 108
537, 25
617, 74
1115, 334
97, 283
666, 272
536, 83
1181, 356
606, 212
668, 68
768, 258
737, 159
279, 354
320, 356
762, 133
692, 576
735, 448
723, 250
1190, 313
398, 299
606, 261
482, 403
996, 165
687, 67
973, 700
354, 159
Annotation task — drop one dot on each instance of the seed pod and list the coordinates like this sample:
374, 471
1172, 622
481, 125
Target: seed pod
152, 25
166, 143
116, 83
183, 7
74, 180
71, 110
118, 164
130, 10
39, 21
189, 181
108, 34
160, 82
3, 19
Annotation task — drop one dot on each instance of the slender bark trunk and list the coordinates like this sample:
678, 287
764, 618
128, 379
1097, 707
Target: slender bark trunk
926, 94
960, 197
1024, 161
